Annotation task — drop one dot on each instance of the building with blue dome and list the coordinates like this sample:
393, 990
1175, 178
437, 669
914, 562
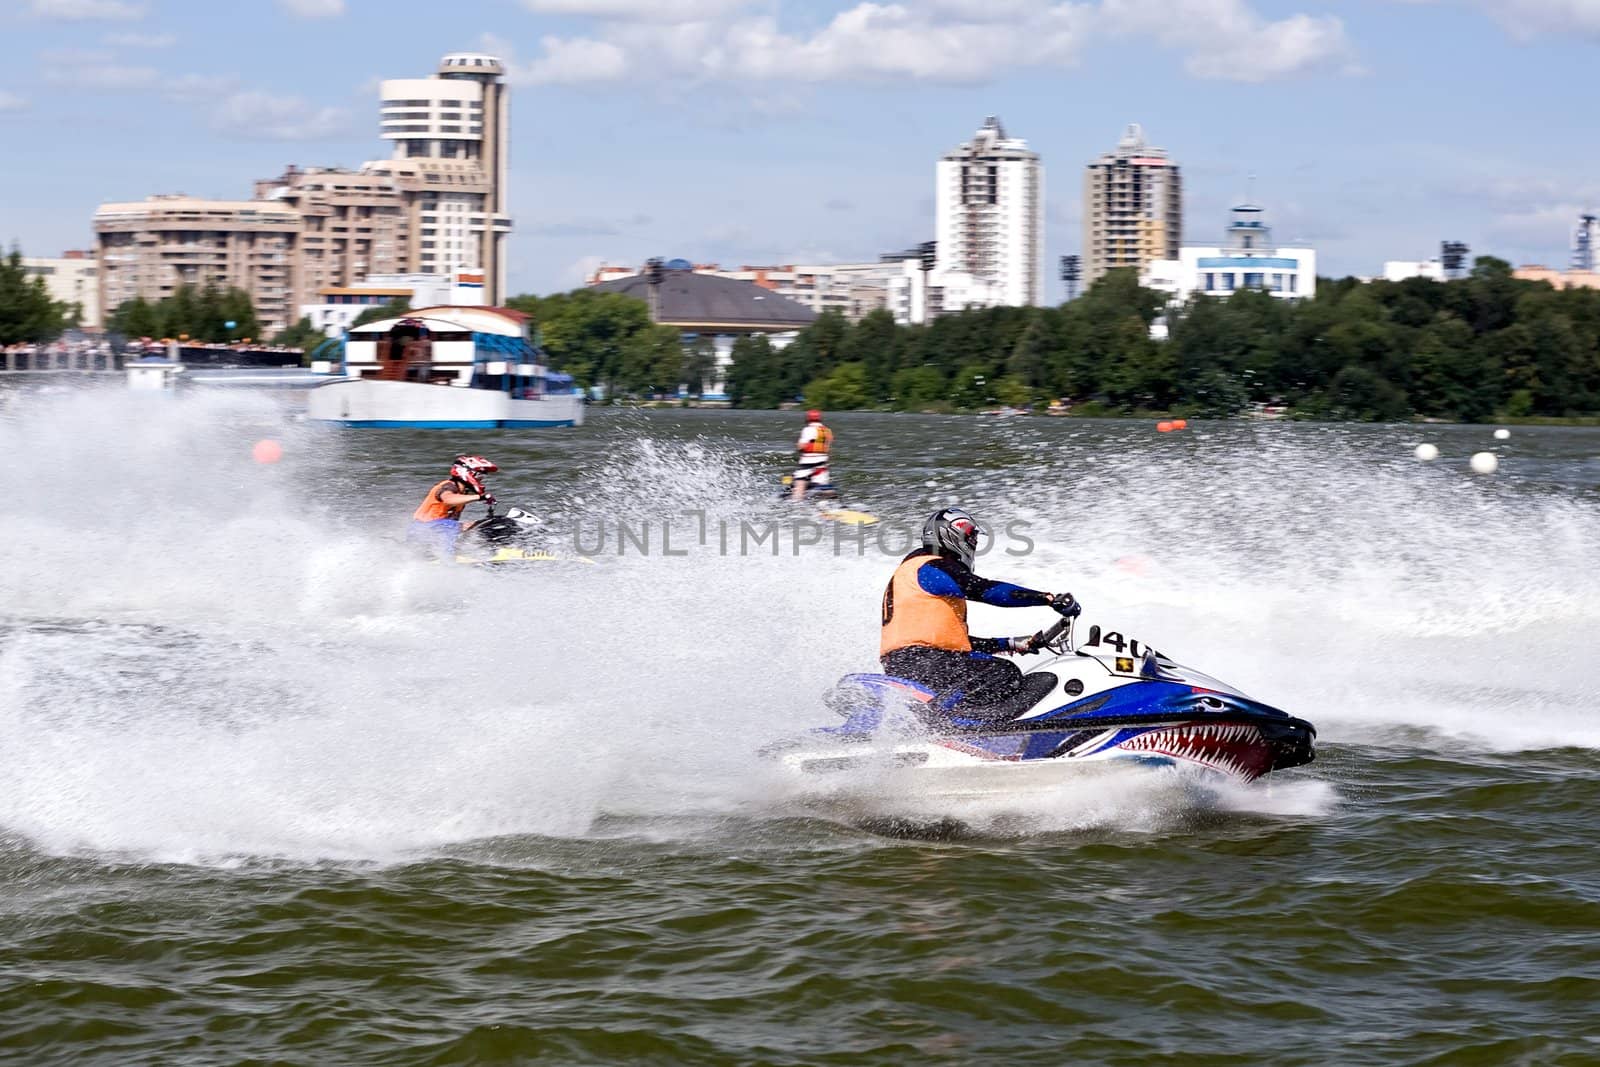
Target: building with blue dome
1247, 259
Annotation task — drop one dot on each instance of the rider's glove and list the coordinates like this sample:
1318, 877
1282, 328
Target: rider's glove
1066, 605
1027, 644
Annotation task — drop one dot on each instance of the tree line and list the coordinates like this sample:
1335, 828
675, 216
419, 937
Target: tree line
1488, 344
190, 313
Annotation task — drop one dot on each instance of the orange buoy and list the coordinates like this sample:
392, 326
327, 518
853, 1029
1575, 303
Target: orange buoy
1164, 427
267, 451
1180, 424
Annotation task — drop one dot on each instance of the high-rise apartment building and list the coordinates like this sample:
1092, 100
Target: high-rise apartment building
989, 221
437, 207
353, 223
150, 247
1132, 208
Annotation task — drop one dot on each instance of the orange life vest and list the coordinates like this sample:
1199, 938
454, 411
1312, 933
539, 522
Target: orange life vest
433, 508
914, 617
818, 445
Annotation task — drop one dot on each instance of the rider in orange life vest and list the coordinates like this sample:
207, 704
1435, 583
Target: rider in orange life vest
811, 468
925, 638
436, 524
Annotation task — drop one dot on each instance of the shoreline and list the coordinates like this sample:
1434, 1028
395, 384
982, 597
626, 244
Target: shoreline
1141, 416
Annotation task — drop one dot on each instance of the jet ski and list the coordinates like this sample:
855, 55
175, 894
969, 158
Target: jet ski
828, 505
511, 537
1108, 702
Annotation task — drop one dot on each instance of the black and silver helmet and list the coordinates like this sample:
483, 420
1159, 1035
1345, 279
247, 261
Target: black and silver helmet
952, 532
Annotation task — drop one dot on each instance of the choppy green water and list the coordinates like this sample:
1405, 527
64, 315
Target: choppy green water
272, 792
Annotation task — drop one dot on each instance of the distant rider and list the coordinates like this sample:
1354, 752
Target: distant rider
925, 638
811, 466
437, 522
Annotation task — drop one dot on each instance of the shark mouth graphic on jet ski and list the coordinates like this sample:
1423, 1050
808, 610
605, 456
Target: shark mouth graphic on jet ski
1237, 749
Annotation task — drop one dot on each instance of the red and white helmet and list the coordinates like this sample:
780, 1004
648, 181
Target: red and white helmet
813, 415
953, 533
470, 471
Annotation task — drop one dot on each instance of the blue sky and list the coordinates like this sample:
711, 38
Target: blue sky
759, 131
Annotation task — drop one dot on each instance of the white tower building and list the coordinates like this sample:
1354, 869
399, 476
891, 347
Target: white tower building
989, 219
450, 134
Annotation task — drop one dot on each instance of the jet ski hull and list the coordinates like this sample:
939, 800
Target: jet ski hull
1081, 711
515, 557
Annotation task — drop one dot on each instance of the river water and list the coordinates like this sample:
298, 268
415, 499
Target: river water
271, 790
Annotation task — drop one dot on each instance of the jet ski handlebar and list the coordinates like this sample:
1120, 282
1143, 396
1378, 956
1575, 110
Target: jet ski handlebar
1058, 638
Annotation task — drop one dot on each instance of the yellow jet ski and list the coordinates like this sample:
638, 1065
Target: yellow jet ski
509, 554
508, 538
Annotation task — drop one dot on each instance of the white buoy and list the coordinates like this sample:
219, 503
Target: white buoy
1427, 453
1502, 435
1485, 463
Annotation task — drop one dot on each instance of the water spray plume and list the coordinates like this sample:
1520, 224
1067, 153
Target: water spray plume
245, 671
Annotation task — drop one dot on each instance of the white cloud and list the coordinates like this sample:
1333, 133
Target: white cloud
1549, 227
197, 87
98, 70
582, 269
313, 9
12, 102
1525, 18
258, 116
570, 62
1228, 40
86, 10
1512, 195
127, 39
943, 41
95, 69
645, 10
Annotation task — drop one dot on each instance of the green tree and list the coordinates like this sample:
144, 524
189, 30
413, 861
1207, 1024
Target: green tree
1359, 393
652, 362
588, 332
1033, 349
875, 343
699, 364
918, 388
754, 376
845, 389
26, 311
969, 387
135, 318
1013, 392
301, 335
235, 306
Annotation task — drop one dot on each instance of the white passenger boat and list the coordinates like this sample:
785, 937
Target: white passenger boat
444, 368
